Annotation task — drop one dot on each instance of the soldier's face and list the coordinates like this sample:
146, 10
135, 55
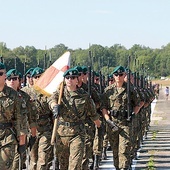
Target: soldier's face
30, 80
80, 78
71, 81
85, 77
13, 82
35, 78
119, 77
2, 76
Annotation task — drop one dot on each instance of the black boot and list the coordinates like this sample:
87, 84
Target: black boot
57, 164
96, 162
91, 166
104, 155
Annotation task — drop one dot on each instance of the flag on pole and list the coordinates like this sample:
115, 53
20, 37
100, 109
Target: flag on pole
53, 76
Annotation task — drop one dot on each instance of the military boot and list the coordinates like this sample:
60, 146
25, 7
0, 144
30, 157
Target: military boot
96, 162
91, 166
104, 155
57, 164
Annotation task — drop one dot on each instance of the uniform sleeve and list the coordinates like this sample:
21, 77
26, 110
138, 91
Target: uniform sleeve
92, 113
17, 111
105, 98
53, 98
31, 113
135, 97
95, 96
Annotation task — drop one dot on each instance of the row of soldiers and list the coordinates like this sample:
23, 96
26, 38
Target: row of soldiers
86, 120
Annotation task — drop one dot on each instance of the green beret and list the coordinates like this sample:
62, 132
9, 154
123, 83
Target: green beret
71, 72
84, 69
110, 76
128, 70
119, 69
13, 73
96, 74
29, 71
79, 69
37, 71
2, 66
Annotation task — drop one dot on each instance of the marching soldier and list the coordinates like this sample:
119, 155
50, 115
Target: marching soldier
89, 125
115, 101
76, 106
11, 132
29, 80
41, 154
28, 111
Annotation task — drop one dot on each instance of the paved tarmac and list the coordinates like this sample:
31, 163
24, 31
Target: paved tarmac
155, 150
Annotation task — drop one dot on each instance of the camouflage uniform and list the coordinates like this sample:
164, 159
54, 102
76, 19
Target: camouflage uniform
115, 100
28, 120
76, 107
99, 133
41, 154
90, 130
10, 125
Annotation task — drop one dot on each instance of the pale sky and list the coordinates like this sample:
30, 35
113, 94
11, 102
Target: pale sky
78, 23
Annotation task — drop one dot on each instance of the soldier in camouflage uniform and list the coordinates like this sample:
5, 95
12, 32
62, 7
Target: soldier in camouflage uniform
28, 111
99, 132
11, 132
135, 118
29, 79
105, 140
115, 101
76, 106
41, 154
89, 125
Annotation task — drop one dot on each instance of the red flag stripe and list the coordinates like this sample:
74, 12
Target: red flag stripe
52, 71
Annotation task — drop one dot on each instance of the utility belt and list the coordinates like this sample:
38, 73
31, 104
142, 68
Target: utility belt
4, 126
70, 124
119, 114
45, 116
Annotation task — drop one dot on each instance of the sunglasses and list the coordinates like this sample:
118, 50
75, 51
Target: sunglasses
111, 80
71, 77
97, 79
36, 77
2, 73
29, 76
120, 74
84, 73
12, 78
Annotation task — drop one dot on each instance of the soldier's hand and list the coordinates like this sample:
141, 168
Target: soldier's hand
56, 110
21, 149
31, 141
112, 125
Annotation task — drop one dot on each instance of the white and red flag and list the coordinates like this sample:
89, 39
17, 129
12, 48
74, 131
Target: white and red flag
53, 76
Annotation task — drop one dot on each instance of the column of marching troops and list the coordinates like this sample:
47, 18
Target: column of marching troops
87, 123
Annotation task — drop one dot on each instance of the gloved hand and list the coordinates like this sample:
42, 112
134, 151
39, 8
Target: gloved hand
31, 141
56, 110
112, 125
21, 149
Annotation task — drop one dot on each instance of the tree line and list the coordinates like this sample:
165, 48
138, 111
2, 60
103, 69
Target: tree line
147, 61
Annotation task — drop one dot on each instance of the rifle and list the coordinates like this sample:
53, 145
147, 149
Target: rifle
135, 79
2, 61
100, 79
89, 80
128, 91
25, 80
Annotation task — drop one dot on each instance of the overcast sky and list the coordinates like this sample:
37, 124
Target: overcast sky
78, 23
